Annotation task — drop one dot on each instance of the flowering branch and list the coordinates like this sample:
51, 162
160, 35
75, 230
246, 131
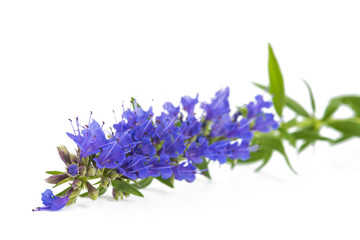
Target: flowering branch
178, 145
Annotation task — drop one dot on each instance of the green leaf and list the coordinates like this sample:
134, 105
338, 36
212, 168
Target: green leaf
287, 136
276, 82
296, 107
133, 100
310, 135
347, 127
126, 187
265, 161
142, 183
331, 108
168, 182
270, 143
304, 146
54, 172
63, 192
61, 182
353, 101
342, 139
204, 165
312, 99
263, 87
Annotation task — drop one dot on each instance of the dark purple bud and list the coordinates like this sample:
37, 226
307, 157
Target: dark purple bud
76, 183
82, 170
55, 179
93, 192
64, 154
116, 194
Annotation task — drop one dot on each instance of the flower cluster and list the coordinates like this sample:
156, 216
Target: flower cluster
172, 145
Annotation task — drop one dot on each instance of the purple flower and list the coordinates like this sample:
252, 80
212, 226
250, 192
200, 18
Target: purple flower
223, 150
111, 156
219, 105
73, 169
166, 121
90, 140
191, 127
265, 123
185, 172
51, 201
254, 109
189, 103
134, 167
196, 151
160, 167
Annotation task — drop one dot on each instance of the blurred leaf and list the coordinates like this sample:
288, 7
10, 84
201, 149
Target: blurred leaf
276, 82
143, 183
54, 172
332, 106
304, 146
204, 165
347, 127
342, 139
265, 161
352, 101
255, 156
263, 87
126, 187
296, 107
312, 99
168, 182
63, 192
271, 143
287, 136
309, 135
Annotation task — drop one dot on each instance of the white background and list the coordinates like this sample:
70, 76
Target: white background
62, 59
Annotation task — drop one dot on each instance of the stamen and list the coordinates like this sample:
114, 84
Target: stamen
72, 126
90, 117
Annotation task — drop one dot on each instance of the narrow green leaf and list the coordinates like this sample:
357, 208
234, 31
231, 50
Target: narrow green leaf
312, 99
296, 107
265, 161
126, 187
276, 82
142, 183
54, 172
271, 143
342, 139
347, 127
204, 165
263, 87
287, 136
331, 108
310, 135
304, 146
61, 182
168, 182
63, 192
353, 101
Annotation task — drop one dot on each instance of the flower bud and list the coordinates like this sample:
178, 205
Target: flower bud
116, 194
71, 201
84, 162
99, 172
75, 193
93, 192
55, 179
105, 182
113, 175
91, 171
82, 170
64, 154
76, 183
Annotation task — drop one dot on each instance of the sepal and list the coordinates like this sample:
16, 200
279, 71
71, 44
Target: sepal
93, 192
